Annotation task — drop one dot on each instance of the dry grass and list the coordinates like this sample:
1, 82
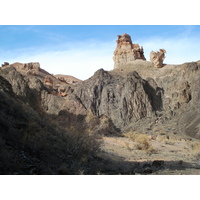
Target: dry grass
195, 148
166, 139
141, 141
195, 145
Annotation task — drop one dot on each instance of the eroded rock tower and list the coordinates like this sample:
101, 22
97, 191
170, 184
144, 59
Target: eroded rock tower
126, 51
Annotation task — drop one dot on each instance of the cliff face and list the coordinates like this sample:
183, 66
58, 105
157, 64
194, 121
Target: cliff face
177, 87
137, 93
122, 99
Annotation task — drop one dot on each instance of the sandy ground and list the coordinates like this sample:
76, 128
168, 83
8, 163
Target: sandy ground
167, 156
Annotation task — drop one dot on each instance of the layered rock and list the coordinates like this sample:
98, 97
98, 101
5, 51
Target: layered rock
157, 58
126, 51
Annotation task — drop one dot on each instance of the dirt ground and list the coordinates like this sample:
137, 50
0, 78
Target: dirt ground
163, 155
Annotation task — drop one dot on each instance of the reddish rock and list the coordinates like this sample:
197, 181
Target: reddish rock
48, 81
126, 51
157, 58
27, 66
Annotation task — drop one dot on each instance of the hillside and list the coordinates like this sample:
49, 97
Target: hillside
39, 126
139, 118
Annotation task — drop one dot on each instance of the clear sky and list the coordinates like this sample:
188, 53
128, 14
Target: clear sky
80, 50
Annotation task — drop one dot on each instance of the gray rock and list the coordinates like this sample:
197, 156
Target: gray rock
122, 99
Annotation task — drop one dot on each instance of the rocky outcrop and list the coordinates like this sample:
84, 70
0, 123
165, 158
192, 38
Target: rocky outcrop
38, 92
48, 81
126, 51
138, 94
157, 58
122, 99
5, 64
36, 130
27, 66
67, 79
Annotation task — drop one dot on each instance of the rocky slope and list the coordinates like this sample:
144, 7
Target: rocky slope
139, 93
178, 88
123, 99
38, 135
41, 112
133, 94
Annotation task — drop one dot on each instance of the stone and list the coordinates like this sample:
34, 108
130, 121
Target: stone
62, 91
27, 66
126, 51
158, 163
67, 79
185, 95
48, 81
35, 66
123, 99
5, 64
157, 58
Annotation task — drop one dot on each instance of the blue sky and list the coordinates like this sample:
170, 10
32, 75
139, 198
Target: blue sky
80, 50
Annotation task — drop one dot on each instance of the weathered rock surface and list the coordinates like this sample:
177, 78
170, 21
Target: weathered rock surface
135, 97
126, 51
157, 58
67, 79
42, 92
178, 87
5, 64
35, 129
140, 97
122, 99
26, 66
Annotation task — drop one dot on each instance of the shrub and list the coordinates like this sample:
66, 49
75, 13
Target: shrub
142, 141
195, 146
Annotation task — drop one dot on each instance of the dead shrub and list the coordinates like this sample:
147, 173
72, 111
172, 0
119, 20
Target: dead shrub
141, 141
195, 146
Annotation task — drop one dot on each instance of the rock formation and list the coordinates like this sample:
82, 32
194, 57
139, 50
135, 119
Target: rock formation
36, 105
67, 79
123, 99
5, 64
62, 91
126, 51
157, 58
27, 66
48, 81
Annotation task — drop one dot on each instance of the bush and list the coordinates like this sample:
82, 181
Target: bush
142, 141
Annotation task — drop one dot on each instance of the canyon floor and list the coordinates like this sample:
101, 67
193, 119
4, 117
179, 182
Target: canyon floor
162, 156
